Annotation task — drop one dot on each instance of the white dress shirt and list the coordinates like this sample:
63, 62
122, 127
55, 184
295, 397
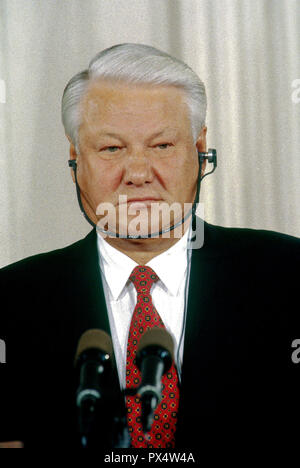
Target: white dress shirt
168, 294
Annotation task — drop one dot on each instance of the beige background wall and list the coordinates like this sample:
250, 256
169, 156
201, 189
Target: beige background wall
246, 52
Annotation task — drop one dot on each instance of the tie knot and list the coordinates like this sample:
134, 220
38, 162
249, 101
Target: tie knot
143, 278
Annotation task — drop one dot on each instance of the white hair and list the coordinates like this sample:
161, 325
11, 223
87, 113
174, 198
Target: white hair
134, 63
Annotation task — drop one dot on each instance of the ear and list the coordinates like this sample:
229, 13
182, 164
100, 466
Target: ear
73, 155
201, 146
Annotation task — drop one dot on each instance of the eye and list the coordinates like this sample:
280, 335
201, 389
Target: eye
110, 149
163, 145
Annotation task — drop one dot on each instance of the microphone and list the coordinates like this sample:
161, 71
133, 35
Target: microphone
93, 359
154, 359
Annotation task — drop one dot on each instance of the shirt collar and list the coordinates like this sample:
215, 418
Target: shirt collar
170, 266
115, 266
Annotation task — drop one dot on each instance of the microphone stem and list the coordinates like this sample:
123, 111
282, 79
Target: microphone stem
151, 389
149, 404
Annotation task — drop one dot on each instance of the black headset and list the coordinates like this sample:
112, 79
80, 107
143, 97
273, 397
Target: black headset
210, 156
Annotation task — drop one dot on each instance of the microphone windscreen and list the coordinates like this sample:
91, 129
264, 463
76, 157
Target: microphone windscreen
94, 338
157, 337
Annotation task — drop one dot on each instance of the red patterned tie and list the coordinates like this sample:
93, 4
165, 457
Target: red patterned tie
145, 316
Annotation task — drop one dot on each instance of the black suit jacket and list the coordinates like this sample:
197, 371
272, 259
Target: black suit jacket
239, 383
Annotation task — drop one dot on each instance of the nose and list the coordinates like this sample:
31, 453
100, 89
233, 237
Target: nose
138, 169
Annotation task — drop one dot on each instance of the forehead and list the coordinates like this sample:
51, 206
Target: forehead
133, 107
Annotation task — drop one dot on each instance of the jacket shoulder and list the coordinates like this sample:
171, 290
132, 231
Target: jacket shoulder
47, 261
261, 241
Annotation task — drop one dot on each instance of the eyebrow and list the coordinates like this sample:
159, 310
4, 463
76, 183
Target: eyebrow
154, 135
157, 134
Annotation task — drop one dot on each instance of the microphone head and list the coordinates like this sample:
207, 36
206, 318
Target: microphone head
94, 339
158, 337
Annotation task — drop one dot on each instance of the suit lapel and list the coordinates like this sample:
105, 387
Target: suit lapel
197, 393
89, 299
89, 302
201, 318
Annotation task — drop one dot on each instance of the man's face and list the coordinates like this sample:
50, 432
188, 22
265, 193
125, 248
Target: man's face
136, 140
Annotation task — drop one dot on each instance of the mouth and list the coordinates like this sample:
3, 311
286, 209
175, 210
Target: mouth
142, 201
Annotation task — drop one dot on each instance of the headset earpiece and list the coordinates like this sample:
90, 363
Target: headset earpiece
210, 155
72, 163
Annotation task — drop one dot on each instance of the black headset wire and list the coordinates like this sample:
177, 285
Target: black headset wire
188, 268
211, 156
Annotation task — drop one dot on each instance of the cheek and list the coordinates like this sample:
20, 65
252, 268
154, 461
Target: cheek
180, 174
101, 179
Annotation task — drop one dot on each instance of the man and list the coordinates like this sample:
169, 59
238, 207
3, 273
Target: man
136, 125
